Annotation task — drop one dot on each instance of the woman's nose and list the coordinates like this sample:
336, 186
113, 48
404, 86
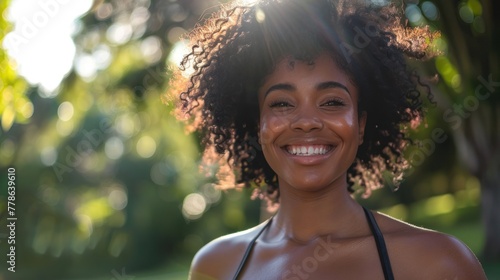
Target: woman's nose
306, 120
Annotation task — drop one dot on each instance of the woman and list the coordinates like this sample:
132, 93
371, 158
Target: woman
325, 89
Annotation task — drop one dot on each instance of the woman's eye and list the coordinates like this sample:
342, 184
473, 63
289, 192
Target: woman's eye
280, 104
334, 102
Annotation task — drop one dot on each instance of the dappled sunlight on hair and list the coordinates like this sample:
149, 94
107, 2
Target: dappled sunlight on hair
271, 200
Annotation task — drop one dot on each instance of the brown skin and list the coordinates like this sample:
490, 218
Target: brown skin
320, 232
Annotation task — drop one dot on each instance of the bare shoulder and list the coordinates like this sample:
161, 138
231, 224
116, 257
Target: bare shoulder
420, 253
220, 258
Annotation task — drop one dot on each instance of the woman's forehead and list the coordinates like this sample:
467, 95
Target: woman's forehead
324, 67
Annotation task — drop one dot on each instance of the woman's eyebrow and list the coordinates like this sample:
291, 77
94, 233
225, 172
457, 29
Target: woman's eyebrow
332, 84
282, 86
320, 86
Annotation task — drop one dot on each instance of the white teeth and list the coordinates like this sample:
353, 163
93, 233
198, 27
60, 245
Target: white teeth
308, 150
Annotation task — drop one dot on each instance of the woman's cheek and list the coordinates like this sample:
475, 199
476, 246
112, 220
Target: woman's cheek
344, 119
270, 128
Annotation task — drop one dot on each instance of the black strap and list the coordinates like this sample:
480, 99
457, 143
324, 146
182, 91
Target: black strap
382, 249
249, 249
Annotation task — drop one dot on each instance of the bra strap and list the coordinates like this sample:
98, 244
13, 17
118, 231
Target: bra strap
248, 250
381, 248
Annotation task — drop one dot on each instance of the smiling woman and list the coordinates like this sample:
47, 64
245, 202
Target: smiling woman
310, 128
363, 41
309, 101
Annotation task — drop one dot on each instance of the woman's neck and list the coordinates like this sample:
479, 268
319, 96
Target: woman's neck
304, 216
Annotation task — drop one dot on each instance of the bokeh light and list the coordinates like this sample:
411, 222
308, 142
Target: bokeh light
119, 33
126, 124
118, 199
65, 111
86, 66
193, 206
114, 147
466, 14
64, 128
151, 49
48, 156
146, 146
430, 10
414, 14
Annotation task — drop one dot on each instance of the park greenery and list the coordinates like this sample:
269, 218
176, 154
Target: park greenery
108, 181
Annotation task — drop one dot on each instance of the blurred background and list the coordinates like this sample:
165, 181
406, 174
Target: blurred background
107, 181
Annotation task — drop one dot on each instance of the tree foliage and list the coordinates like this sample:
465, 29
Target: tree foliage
469, 101
14, 105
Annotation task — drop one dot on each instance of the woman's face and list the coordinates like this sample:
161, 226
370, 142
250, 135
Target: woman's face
309, 125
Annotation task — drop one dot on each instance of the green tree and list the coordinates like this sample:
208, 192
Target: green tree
107, 177
14, 105
470, 70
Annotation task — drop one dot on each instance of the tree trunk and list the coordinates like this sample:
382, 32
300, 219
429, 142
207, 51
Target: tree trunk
490, 202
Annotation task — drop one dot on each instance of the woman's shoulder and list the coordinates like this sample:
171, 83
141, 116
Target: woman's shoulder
220, 258
427, 254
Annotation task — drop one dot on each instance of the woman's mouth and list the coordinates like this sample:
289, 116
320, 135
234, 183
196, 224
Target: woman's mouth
308, 150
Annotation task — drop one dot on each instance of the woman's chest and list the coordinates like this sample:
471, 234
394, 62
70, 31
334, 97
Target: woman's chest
324, 259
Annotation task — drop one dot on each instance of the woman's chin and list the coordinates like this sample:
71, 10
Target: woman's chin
311, 185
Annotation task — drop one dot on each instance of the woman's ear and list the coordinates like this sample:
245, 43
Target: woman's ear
362, 125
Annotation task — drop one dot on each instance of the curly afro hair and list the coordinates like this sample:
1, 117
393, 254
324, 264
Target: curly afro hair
233, 51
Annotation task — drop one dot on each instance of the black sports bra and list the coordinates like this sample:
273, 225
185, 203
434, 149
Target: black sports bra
377, 234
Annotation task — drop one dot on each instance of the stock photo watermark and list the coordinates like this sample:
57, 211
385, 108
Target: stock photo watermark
11, 219
121, 276
454, 116
361, 39
469, 104
310, 264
